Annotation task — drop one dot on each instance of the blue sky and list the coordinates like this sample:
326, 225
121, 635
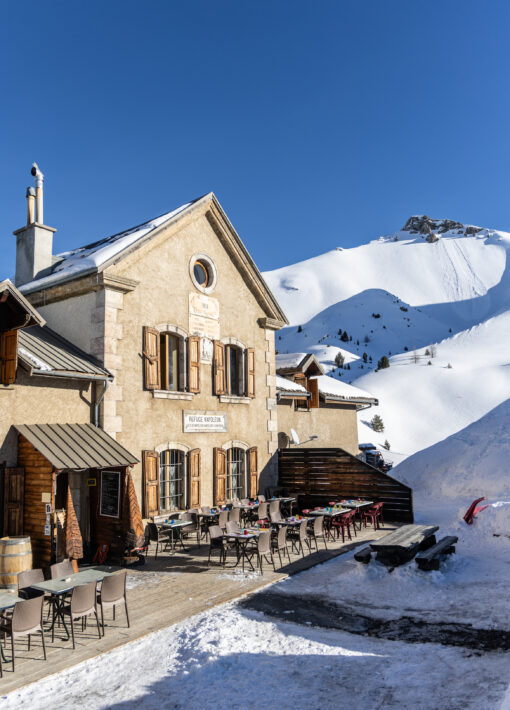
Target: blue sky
316, 124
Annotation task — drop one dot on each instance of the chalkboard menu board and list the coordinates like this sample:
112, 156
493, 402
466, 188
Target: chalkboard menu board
110, 493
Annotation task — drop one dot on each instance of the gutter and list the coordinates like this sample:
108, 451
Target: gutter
72, 375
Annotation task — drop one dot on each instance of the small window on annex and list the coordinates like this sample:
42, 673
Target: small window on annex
171, 346
172, 480
234, 370
236, 473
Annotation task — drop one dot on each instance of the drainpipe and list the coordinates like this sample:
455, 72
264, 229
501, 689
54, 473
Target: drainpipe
98, 403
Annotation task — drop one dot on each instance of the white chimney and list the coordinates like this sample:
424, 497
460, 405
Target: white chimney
34, 243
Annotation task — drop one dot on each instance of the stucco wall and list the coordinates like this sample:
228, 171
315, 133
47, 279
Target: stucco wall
162, 296
72, 318
335, 425
40, 400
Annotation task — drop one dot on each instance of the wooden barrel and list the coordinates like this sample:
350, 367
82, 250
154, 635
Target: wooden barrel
15, 556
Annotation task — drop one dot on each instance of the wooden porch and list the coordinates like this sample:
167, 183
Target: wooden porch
163, 592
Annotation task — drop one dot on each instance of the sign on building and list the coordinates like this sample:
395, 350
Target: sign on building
195, 422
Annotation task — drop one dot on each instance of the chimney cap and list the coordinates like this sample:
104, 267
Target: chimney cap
30, 192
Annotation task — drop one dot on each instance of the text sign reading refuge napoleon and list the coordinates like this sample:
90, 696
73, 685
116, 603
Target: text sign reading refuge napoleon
204, 421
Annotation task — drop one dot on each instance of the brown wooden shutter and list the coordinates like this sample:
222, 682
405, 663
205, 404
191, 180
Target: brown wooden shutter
194, 363
253, 468
150, 464
151, 358
194, 478
219, 368
250, 372
220, 476
313, 387
8, 356
14, 488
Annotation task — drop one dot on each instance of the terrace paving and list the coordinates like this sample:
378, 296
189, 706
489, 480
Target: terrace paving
163, 592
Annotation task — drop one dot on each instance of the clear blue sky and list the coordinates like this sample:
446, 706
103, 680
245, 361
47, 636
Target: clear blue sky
316, 124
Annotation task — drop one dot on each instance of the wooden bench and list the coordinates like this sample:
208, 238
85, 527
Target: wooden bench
429, 559
401, 545
364, 555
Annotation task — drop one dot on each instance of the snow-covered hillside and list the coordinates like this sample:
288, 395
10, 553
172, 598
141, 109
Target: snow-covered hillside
434, 292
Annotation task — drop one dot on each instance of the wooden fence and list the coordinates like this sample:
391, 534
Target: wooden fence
322, 475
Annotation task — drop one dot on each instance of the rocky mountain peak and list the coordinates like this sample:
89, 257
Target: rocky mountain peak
421, 224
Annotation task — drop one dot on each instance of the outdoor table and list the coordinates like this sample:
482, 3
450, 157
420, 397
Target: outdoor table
172, 526
59, 587
290, 521
241, 541
402, 544
7, 600
329, 513
357, 505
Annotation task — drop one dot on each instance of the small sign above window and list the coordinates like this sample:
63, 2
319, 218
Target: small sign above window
194, 422
110, 494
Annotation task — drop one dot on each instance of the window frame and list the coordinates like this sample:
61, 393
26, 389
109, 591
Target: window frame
241, 458
166, 464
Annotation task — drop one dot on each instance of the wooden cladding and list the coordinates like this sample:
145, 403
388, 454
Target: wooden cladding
150, 466
8, 356
194, 364
14, 488
313, 387
253, 471
194, 478
219, 374
220, 476
322, 475
151, 358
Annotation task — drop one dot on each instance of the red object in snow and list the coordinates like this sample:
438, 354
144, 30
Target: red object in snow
473, 509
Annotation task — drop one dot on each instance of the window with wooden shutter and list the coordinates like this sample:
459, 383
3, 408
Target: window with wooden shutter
313, 387
8, 356
14, 487
194, 363
219, 368
150, 463
194, 478
250, 372
151, 358
220, 476
253, 469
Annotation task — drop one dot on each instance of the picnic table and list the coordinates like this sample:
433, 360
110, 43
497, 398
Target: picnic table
59, 587
403, 544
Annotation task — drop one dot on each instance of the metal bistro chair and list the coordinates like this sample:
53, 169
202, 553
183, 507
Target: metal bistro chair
83, 603
160, 537
113, 592
316, 532
26, 619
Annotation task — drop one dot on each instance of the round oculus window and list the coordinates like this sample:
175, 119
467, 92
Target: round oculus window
201, 273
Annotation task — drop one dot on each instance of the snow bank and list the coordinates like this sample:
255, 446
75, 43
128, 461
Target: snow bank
472, 462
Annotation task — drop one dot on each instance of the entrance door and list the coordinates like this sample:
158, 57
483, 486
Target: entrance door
80, 492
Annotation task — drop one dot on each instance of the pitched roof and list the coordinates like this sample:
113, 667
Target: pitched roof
76, 446
15, 310
342, 392
285, 386
97, 256
297, 362
44, 352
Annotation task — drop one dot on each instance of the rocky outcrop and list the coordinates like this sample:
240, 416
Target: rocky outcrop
421, 224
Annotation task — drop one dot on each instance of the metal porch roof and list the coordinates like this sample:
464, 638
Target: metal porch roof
76, 446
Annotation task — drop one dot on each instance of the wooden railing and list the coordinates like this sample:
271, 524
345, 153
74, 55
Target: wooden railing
322, 475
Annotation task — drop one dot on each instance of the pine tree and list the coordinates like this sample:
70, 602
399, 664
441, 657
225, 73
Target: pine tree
387, 445
383, 363
365, 357
300, 329
339, 360
344, 337
377, 423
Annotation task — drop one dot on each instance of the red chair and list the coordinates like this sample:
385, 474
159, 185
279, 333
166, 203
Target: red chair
374, 515
343, 523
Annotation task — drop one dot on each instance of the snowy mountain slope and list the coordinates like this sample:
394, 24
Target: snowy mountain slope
436, 292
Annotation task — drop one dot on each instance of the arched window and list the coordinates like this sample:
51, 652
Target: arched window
236, 473
171, 354
172, 480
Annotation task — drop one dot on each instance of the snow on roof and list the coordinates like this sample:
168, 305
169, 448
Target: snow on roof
286, 361
90, 257
341, 390
285, 385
